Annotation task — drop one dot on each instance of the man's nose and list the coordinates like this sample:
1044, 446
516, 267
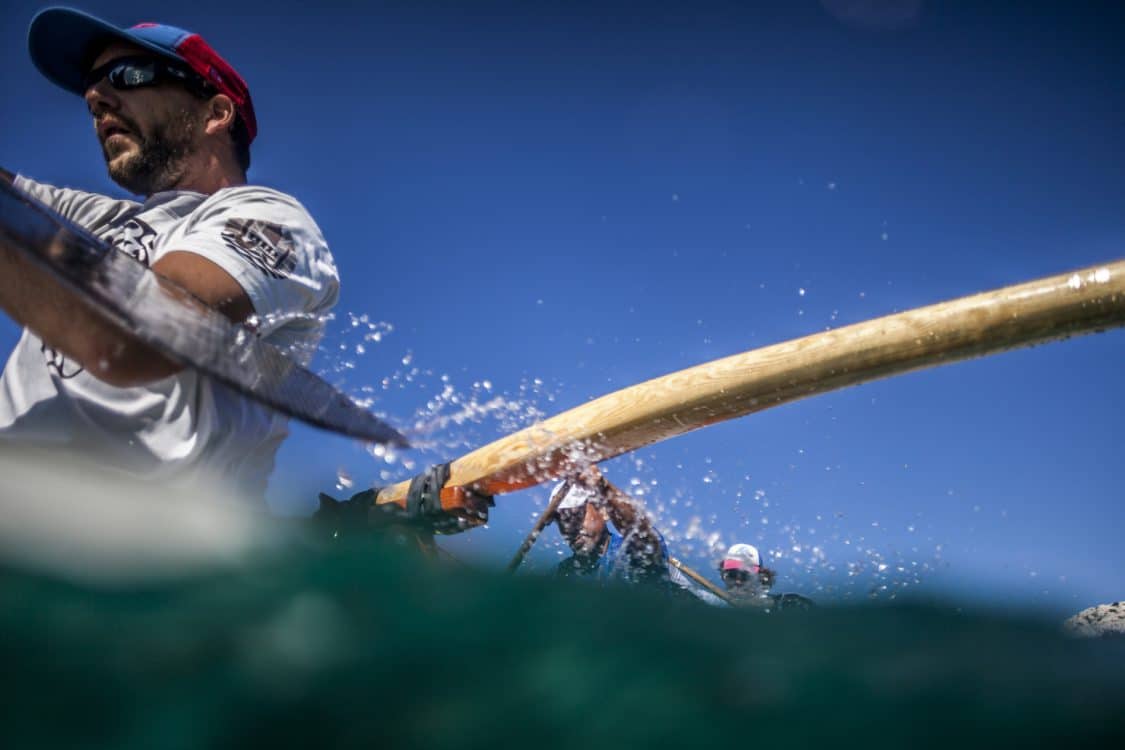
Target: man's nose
100, 98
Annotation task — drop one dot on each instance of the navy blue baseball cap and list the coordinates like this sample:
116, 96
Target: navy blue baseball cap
64, 43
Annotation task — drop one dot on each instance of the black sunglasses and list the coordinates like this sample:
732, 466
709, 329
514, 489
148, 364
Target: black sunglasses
570, 519
127, 73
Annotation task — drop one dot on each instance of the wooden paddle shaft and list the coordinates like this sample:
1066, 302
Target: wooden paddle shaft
698, 578
546, 518
1084, 301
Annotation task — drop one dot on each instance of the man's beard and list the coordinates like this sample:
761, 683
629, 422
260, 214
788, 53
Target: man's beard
160, 163
589, 549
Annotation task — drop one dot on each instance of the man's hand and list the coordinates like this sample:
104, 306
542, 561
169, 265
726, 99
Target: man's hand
591, 478
472, 513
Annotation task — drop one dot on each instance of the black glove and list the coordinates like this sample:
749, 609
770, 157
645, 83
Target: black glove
423, 503
346, 516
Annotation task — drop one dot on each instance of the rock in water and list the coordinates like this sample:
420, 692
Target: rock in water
1102, 621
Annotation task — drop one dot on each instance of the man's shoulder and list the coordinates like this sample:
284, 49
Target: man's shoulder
90, 210
650, 544
791, 601
251, 189
265, 214
256, 197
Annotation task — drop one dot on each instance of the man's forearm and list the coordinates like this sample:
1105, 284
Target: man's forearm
623, 510
36, 300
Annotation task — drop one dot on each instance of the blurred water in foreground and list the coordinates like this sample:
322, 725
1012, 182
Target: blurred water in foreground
185, 623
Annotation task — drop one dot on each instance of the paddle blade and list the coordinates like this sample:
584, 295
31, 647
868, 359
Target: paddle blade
178, 325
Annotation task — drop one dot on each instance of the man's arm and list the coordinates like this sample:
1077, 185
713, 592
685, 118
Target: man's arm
36, 300
629, 519
626, 516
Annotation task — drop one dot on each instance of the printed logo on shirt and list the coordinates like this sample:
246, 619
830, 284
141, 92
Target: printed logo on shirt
134, 238
269, 247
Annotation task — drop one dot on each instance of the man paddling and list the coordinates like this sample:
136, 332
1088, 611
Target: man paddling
748, 582
636, 553
175, 122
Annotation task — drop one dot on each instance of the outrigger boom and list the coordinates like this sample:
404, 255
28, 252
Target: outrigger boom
1085, 301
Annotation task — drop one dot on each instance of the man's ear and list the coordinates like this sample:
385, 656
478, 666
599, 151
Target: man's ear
220, 114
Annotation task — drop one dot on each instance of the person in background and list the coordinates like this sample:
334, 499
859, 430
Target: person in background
748, 582
635, 553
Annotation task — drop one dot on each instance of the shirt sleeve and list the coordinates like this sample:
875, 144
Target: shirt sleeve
647, 553
271, 246
88, 210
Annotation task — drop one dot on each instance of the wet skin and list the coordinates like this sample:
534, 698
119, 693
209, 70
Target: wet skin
584, 529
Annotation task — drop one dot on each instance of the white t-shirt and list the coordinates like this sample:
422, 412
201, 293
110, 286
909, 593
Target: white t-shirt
185, 427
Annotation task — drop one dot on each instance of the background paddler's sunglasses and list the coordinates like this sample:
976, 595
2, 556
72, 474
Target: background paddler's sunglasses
127, 73
570, 520
735, 575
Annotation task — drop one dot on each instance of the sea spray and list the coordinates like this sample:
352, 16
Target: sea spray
448, 414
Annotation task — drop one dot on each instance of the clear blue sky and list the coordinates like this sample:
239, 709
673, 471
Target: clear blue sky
565, 198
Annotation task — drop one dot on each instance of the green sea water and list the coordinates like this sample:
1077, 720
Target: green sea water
361, 644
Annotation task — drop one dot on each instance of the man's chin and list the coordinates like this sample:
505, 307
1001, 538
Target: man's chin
123, 171
118, 163
585, 548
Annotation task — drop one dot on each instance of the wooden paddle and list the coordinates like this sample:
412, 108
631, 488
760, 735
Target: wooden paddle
699, 578
1057, 307
546, 518
43, 252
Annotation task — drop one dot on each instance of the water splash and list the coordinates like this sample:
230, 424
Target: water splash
453, 417
832, 557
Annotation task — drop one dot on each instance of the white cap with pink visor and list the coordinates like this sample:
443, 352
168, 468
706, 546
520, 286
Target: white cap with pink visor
742, 557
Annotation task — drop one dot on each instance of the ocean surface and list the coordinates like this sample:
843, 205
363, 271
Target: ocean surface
360, 642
